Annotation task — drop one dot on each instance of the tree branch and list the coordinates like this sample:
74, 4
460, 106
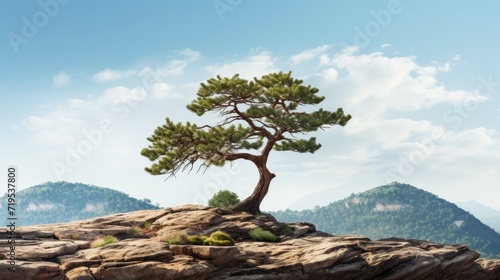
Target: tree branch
247, 156
247, 119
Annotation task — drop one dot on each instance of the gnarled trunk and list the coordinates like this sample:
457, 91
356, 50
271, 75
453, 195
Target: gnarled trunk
252, 203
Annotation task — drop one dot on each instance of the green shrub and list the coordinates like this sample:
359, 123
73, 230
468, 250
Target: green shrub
135, 231
103, 241
284, 229
212, 242
219, 238
259, 234
75, 237
147, 225
195, 239
176, 238
224, 199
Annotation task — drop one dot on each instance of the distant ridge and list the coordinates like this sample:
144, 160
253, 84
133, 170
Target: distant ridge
485, 214
404, 211
57, 202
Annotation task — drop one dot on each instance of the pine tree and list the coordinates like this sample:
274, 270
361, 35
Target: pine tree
259, 115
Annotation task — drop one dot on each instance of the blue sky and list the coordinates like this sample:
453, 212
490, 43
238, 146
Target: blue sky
83, 83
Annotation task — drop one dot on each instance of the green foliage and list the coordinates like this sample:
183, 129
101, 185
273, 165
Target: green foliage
259, 234
224, 199
177, 237
219, 238
75, 237
103, 241
264, 110
284, 229
147, 225
403, 211
59, 202
195, 239
135, 231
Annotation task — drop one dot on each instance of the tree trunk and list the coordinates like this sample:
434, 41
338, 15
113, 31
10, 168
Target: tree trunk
252, 203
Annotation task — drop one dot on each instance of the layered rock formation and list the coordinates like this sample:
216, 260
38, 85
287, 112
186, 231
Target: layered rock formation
62, 251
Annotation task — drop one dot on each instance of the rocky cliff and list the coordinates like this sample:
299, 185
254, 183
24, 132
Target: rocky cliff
62, 251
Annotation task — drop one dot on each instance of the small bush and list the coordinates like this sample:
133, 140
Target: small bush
284, 229
135, 231
224, 199
219, 238
259, 234
147, 225
75, 237
195, 239
103, 241
218, 242
176, 238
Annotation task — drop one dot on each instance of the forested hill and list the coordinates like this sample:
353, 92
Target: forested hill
400, 210
63, 202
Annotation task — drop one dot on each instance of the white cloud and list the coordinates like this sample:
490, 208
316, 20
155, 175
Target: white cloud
164, 90
107, 75
330, 75
190, 54
385, 46
65, 124
61, 79
308, 55
174, 67
56, 127
37, 123
373, 84
121, 94
256, 65
447, 66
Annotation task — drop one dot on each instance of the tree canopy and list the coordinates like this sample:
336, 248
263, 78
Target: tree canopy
260, 115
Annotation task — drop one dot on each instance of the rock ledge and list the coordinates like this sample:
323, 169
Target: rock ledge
62, 251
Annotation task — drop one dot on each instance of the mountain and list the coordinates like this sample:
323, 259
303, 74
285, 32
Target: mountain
56, 202
404, 211
487, 215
